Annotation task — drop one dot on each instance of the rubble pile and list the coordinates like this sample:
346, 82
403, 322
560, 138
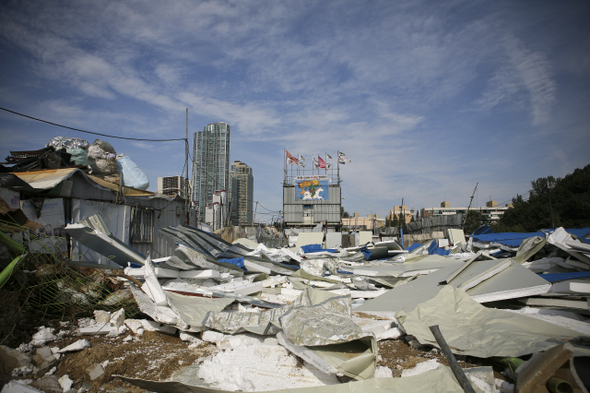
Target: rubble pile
310, 317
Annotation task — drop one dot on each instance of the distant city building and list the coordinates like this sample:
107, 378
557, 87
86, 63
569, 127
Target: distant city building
211, 164
400, 212
492, 211
363, 223
173, 186
216, 211
241, 193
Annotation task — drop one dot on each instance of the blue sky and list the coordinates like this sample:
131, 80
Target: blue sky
427, 98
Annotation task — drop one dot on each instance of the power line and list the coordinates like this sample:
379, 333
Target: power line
93, 133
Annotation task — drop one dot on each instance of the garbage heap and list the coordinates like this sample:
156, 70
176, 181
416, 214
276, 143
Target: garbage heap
98, 158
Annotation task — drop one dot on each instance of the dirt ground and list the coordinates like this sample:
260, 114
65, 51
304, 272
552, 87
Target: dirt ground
158, 356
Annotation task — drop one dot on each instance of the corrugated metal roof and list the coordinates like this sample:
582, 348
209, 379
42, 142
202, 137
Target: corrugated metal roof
46, 178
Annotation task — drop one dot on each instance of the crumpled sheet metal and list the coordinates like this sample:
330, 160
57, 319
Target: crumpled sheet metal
439, 380
161, 314
528, 248
194, 310
262, 323
472, 329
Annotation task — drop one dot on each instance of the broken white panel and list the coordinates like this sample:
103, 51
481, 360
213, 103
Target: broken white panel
475, 273
566, 319
333, 240
94, 234
571, 286
162, 314
557, 302
561, 238
152, 286
474, 330
291, 254
307, 238
244, 241
543, 265
253, 266
98, 329
239, 287
375, 326
200, 274
160, 272
456, 236
529, 247
514, 282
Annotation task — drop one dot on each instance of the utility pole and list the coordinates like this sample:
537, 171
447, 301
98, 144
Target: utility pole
187, 193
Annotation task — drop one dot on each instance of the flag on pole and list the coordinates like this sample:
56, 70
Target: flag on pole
342, 158
321, 163
301, 161
315, 162
328, 156
291, 159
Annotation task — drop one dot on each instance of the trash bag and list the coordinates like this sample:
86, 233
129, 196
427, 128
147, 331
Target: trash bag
79, 156
131, 175
102, 158
63, 142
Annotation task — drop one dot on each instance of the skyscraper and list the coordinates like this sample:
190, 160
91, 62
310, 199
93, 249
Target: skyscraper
211, 163
241, 192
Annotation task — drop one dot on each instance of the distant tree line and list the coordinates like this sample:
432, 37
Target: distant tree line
552, 203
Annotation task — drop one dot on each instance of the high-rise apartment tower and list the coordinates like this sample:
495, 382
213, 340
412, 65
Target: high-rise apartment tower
241, 193
211, 163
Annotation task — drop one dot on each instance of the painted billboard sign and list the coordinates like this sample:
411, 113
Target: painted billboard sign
311, 188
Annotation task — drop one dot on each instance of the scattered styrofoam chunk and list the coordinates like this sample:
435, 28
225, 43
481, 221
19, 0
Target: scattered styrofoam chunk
77, 346
117, 318
43, 336
65, 382
153, 326
101, 316
98, 329
421, 368
135, 326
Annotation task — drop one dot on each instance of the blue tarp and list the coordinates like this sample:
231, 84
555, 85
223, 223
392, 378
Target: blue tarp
366, 252
510, 239
513, 239
482, 230
239, 262
413, 246
434, 249
554, 277
316, 248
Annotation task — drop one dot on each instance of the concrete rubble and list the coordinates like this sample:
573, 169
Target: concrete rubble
494, 297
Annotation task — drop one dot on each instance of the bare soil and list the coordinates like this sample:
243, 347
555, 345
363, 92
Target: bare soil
157, 356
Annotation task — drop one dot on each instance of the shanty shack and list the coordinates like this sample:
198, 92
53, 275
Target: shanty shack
53, 198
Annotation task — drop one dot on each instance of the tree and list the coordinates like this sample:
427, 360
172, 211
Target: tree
473, 220
553, 202
344, 213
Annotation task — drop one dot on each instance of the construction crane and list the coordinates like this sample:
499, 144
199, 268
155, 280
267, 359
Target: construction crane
469, 207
